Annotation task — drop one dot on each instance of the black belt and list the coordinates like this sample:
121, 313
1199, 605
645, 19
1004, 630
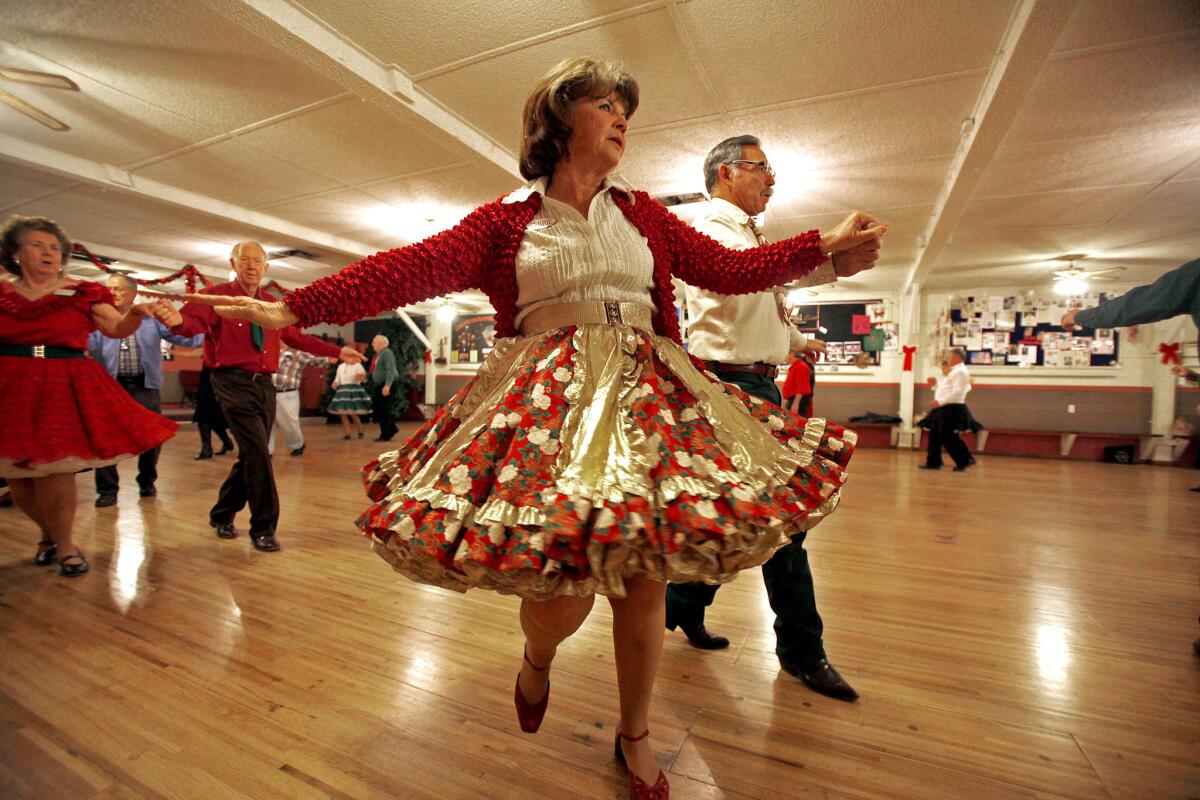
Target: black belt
768, 371
139, 378
40, 351
238, 372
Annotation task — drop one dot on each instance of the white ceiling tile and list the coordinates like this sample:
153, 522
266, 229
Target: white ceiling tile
1177, 199
491, 94
1100, 22
1028, 256
1122, 156
424, 34
351, 141
20, 186
1074, 207
1128, 89
234, 172
824, 151
772, 51
182, 57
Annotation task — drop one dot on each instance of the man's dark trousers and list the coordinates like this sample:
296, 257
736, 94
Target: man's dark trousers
945, 434
798, 626
381, 406
248, 400
107, 479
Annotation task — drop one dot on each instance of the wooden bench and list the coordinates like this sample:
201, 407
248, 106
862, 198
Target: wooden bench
873, 434
1050, 444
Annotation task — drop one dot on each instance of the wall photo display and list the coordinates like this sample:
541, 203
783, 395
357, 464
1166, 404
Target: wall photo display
1024, 330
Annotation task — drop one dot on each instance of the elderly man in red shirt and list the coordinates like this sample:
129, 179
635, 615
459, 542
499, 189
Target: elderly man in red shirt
242, 357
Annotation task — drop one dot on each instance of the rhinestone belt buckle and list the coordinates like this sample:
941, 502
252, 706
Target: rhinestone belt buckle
39, 351
612, 312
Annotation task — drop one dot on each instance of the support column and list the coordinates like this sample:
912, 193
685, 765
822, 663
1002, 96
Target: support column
910, 334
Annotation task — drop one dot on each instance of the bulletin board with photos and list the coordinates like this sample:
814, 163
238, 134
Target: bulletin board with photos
849, 330
1024, 330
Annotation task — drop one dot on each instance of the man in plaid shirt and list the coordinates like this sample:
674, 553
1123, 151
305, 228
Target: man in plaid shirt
287, 398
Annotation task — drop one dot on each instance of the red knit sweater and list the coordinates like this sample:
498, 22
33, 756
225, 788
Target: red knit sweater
480, 253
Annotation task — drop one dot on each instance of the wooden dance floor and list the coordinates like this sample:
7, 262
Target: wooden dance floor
1022, 630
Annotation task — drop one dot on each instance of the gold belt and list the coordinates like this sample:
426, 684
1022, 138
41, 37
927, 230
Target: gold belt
588, 312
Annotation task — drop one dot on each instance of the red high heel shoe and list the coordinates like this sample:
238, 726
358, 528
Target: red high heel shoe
638, 788
529, 715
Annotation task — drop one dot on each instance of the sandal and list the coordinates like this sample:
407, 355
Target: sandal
47, 556
73, 570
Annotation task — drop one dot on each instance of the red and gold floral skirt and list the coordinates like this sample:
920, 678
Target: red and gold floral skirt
580, 457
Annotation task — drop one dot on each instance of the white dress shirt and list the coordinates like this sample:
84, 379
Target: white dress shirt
953, 387
564, 258
744, 328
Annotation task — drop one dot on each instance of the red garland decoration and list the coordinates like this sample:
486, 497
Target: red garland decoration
1170, 352
908, 356
189, 273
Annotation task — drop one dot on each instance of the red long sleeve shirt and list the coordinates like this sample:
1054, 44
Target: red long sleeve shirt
227, 342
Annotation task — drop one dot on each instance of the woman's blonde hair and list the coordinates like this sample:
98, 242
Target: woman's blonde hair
546, 123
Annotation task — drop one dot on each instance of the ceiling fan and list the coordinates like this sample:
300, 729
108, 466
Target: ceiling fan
44, 79
1074, 280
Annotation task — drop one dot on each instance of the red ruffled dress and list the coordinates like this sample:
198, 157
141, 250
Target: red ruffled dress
585, 453
64, 414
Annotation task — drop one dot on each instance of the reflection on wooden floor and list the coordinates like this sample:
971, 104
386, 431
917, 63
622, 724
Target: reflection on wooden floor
1022, 630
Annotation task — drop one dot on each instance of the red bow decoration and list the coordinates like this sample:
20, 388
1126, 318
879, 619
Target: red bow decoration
1170, 352
908, 354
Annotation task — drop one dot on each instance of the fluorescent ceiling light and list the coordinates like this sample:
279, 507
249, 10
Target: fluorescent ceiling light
33, 112
38, 78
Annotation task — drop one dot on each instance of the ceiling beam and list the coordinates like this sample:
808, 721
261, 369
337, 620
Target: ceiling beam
297, 33
1024, 49
109, 176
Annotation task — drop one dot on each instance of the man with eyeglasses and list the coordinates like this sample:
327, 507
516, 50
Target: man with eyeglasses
743, 339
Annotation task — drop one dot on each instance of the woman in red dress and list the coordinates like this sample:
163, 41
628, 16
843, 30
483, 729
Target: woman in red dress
589, 455
62, 410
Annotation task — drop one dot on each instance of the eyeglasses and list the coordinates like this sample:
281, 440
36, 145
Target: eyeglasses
763, 166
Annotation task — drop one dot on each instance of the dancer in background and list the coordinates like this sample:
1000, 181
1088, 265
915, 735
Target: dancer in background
243, 358
62, 411
136, 363
350, 398
288, 376
589, 455
209, 418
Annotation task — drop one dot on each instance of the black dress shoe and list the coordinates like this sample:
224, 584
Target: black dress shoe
964, 467
225, 529
697, 634
205, 452
930, 466
699, 637
822, 678
106, 500
265, 542
227, 447
147, 491
299, 451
